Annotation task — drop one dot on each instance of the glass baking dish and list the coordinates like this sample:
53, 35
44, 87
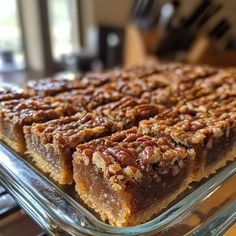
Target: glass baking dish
208, 208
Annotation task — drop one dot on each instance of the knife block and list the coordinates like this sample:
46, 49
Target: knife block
204, 51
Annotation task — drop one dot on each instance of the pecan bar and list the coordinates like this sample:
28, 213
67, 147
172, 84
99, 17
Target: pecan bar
10, 94
54, 85
182, 91
206, 124
170, 71
137, 87
129, 111
128, 177
90, 99
14, 114
51, 144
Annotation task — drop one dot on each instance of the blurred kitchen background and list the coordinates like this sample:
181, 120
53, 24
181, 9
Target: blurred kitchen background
39, 38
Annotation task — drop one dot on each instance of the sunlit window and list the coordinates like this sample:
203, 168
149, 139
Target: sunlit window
11, 53
61, 18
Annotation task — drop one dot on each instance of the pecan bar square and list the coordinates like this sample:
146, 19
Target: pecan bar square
90, 99
207, 124
128, 177
15, 114
52, 86
10, 94
51, 144
129, 111
179, 92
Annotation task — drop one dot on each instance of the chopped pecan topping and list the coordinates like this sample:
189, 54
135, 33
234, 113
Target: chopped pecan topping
101, 161
121, 155
129, 110
114, 168
150, 156
133, 173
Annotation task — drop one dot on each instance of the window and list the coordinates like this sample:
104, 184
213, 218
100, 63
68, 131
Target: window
11, 52
63, 27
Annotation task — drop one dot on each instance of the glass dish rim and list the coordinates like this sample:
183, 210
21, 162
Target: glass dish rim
159, 222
